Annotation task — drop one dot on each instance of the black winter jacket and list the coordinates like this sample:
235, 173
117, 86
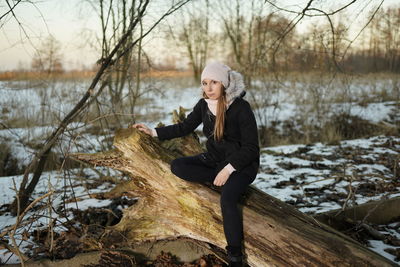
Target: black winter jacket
239, 145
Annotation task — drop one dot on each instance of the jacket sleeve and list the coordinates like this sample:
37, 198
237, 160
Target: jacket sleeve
189, 124
249, 150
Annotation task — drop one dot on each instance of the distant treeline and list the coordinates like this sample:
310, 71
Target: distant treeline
253, 40
257, 43
376, 50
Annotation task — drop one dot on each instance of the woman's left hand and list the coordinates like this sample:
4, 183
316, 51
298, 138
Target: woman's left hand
221, 177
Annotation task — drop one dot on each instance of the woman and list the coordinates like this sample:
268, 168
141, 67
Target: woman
232, 157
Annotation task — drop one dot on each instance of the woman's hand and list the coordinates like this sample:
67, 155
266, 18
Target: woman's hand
143, 128
222, 177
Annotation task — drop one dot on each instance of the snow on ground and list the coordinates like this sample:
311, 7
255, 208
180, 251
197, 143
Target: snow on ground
379, 247
75, 190
314, 178
374, 112
307, 176
45, 102
293, 173
21, 141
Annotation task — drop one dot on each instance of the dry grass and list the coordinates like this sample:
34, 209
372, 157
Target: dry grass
83, 74
340, 127
330, 134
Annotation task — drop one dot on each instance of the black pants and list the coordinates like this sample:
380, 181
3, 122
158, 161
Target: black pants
194, 169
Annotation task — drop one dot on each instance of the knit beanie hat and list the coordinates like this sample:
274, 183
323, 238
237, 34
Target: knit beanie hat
218, 72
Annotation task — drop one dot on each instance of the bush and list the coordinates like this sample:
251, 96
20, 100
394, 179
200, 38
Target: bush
339, 127
8, 163
350, 127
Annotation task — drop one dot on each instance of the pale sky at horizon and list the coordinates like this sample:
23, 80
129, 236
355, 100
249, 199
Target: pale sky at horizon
69, 20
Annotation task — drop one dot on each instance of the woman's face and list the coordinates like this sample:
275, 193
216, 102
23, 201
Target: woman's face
213, 89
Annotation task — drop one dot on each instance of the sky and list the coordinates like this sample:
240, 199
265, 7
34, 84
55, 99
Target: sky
76, 26
65, 20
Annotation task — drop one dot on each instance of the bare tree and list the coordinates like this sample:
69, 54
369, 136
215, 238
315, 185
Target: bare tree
390, 33
193, 34
253, 32
116, 53
235, 26
322, 46
48, 57
114, 18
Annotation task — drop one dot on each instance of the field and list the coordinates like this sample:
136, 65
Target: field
327, 143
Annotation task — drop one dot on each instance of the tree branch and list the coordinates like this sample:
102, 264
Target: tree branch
11, 10
309, 15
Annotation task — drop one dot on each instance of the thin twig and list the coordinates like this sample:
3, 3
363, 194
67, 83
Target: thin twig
370, 211
20, 255
19, 23
349, 195
309, 15
11, 9
363, 28
51, 230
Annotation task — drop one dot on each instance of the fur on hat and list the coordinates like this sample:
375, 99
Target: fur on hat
236, 86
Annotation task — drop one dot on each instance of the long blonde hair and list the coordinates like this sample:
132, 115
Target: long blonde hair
220, 116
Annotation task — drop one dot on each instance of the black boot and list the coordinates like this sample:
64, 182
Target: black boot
235, 256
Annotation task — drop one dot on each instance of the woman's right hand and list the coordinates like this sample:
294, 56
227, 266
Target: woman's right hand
143, 128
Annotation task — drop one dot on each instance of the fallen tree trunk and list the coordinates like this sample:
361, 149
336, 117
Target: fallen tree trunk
275, 233
378, 212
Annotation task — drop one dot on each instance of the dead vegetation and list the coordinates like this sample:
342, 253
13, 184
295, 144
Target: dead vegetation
164, 259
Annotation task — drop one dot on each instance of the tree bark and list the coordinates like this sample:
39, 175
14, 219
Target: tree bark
275, 233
